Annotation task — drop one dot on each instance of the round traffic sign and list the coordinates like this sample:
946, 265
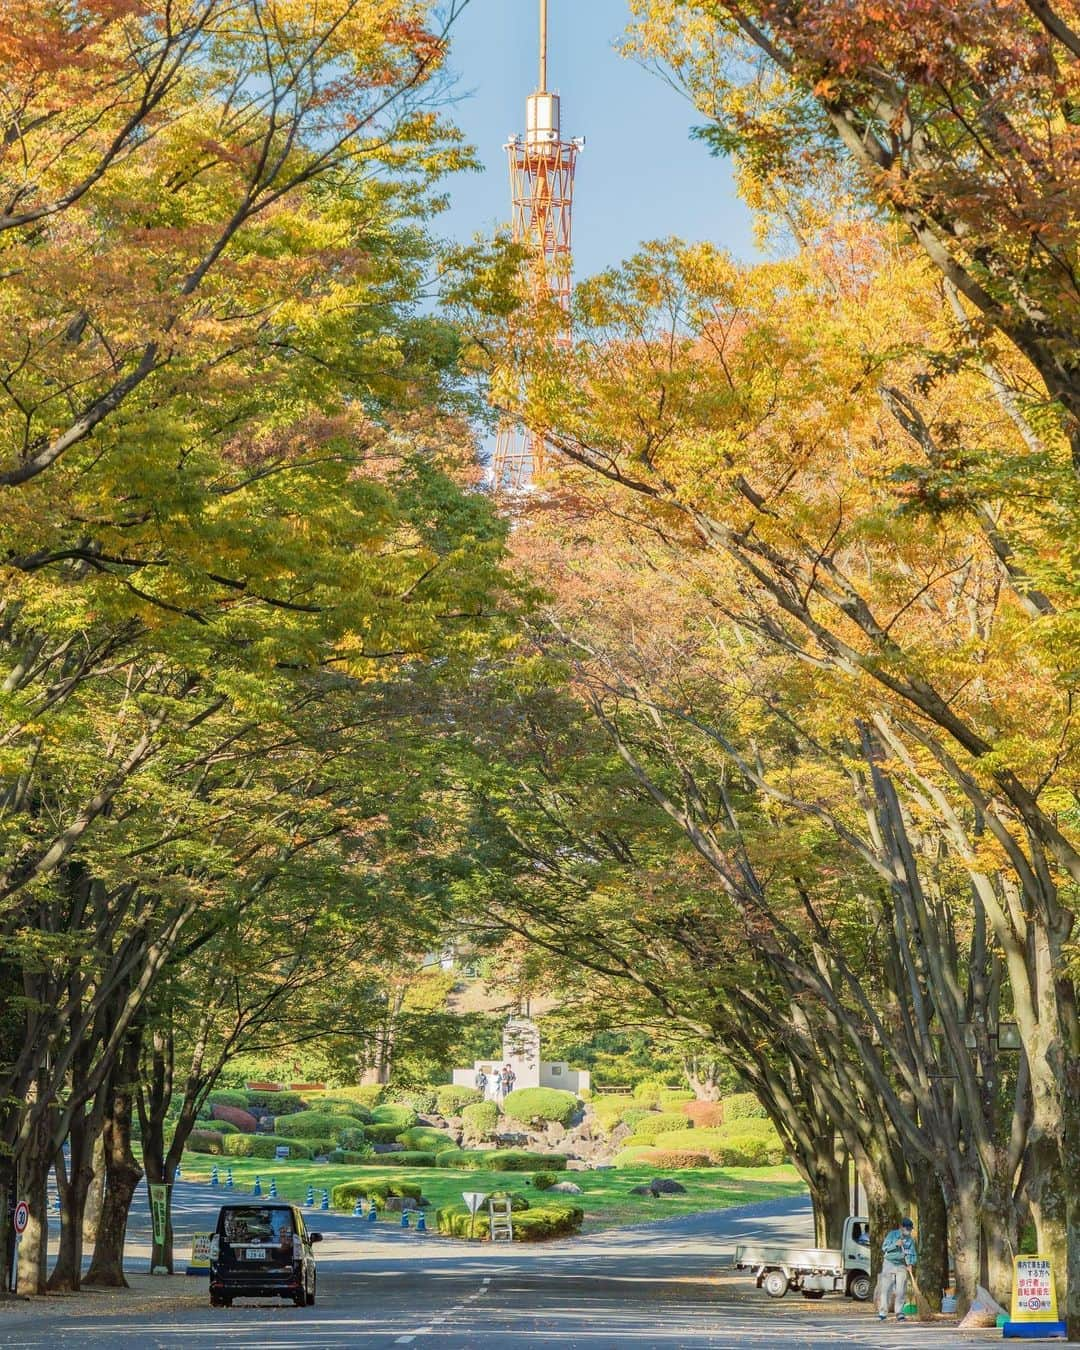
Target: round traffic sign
22, 1216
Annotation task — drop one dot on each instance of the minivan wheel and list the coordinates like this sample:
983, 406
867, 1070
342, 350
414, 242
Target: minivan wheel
220, 1301
311, 1295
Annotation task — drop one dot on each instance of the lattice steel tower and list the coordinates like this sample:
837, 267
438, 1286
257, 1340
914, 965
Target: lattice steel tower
542, 168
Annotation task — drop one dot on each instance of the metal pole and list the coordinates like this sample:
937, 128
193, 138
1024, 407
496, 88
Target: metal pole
543, 45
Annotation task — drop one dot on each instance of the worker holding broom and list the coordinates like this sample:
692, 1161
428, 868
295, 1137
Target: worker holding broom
900, 1255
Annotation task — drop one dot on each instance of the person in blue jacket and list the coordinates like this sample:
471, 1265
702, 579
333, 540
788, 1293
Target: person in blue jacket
900, 1255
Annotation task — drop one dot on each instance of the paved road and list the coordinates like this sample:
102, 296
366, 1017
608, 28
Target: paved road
661, 1285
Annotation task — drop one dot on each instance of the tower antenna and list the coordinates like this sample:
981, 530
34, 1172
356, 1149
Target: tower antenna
542, 167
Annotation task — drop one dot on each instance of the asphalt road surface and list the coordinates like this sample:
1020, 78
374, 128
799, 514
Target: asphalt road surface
666, 1285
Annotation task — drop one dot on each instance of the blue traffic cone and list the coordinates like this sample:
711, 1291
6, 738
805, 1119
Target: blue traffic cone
372, 1214
273, 1188
309, 1199
228, 1180
325, 1202
358, 1208
214, 1179
56, 1202
404, 1218
257, 1188
421, 1223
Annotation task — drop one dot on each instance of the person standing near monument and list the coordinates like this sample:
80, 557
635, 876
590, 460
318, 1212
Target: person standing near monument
900, 1255
496, 1086
481, 1082
509, 1078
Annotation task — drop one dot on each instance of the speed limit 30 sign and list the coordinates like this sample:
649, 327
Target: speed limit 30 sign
22, 1216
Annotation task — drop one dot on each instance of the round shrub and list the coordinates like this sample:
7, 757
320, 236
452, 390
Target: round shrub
352, 1137
451, 1100
382, 1134
661, 1122
264, 1146
422, 1100
606, 1112
338, 1106
705, 1115
480, 1120
633, 1114
313, 1125
543, 1181
243, 1120
404, 1117
426, 1138
227, 1097
647, 1093
670, 1159
275, 1103
539, 1105
743, 1106
206, 1141
346, 1195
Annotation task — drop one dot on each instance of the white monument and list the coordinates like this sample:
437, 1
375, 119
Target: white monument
521, 1050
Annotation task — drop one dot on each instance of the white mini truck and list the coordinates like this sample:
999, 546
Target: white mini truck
813, 1271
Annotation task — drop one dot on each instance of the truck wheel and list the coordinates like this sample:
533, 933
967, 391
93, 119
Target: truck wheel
775, 1284
859, 1286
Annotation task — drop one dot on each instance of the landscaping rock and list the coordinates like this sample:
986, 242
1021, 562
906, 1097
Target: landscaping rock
396, 1203
664, 1186
565, 1188
641, 1190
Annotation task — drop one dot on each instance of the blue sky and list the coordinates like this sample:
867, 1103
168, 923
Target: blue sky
640, 177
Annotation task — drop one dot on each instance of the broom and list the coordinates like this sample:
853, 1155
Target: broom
926, 1313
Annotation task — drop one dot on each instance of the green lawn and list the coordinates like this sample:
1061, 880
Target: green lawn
605, 1197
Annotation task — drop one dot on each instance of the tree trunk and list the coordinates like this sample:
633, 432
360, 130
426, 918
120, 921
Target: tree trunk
122, 1175
933, 1271
882, 1209
830, 1193
85, 1129
95, 1195
7, 1227
965, 1234
34, 1189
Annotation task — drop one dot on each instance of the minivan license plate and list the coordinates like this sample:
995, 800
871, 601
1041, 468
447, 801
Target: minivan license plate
256, 1253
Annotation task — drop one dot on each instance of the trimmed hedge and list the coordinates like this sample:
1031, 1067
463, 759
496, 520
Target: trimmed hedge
227, 1097
344, 1155
346, 1195
382, 1134
669, 1159
481, 1120
675, 1096
535, 1224
339, 1106
607, 1112
312, 1124
235, 1115
501, 1160
206, 1141
661, 1122
404, 1117
276, 1103
543, 1181
367, 1094
633, 1114
451, 1100
633, 1156
352, 1137
426, 1139
224, 1127
728, 1146
406, 1158
263, 1146
705, 1115
743, 1106
533, 1105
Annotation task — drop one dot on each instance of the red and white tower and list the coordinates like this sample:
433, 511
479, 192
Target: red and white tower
542, 168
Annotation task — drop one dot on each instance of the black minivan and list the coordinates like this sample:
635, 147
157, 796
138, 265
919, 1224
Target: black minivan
261, 1249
